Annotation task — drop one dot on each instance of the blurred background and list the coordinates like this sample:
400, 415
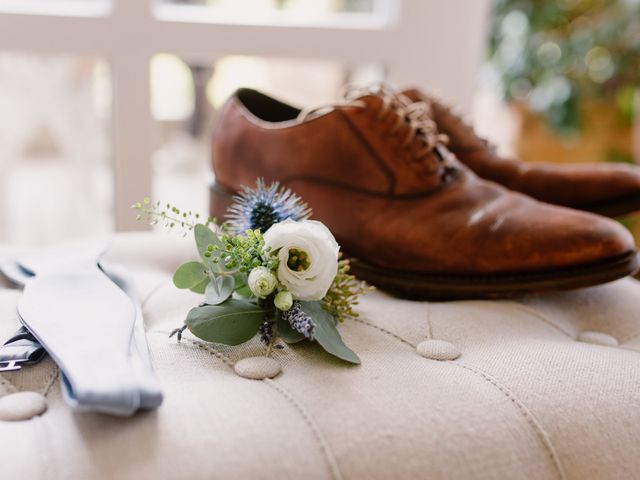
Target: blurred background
105, 102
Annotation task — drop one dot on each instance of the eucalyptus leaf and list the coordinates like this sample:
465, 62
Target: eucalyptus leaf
201, 287
204, 237
287, 333
190, 274
326, 333
231, 323
242, 279
244, 292
219, 289
214, 286
241, 286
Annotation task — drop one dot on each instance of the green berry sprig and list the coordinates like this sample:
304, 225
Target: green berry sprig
169, 215
343, 294
242, 254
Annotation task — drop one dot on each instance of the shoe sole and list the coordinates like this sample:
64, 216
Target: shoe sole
427, 286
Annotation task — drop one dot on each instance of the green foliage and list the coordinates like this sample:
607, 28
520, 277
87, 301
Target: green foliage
554, 54
231, 323
343, 294
219, 289
205, 238
201, 287
190, 274
288, 334
169, 215
242, 287
326, 333
242, 254
226, 261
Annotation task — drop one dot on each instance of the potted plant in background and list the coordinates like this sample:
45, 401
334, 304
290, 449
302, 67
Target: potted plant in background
571, 70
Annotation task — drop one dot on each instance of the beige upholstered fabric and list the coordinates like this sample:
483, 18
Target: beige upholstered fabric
525, 399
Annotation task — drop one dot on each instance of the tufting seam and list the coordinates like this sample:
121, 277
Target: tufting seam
51, 381
539, 431
324, 446
211, 351
46, 452
202, 345
6, 383
383, 330
541, 317
533, 422
333, 467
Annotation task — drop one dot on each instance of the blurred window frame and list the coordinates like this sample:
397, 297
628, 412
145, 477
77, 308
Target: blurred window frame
129, 32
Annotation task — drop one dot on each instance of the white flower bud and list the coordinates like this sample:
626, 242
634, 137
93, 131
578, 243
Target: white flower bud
283, 300
262, 282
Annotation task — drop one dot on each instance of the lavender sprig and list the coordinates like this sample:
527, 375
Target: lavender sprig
299, 320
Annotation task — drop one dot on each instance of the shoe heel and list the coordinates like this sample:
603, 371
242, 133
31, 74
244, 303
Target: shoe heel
220, 199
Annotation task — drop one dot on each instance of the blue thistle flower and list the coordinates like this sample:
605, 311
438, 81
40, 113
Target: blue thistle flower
260, 208
299, 320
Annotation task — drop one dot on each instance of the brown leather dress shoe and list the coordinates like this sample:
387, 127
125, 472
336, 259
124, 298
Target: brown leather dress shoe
416, 221
605, 188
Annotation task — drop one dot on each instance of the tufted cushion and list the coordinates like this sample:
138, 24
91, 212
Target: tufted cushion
525, 398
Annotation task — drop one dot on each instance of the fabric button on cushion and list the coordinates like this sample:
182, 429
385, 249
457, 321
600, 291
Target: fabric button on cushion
257, 368
438, 350
22, 406
597, 338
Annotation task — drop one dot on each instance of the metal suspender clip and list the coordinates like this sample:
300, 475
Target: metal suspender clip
21, 349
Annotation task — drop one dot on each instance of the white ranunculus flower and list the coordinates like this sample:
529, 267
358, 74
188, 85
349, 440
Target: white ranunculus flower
262, 282
308, 257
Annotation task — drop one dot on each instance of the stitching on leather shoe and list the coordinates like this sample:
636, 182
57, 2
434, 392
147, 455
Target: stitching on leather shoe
381, 164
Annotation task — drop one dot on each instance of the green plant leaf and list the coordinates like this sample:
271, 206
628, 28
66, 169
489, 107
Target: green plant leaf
288, 334
190, 274
241, 279
241, 286
219, 289
231, 323
204, 237
244, 292
201, 287
326, 333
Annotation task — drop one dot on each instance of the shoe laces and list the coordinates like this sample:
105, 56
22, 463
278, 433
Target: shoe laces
414, 118
461, 119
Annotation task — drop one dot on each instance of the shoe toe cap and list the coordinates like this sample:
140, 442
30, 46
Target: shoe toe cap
602, 238
573, 238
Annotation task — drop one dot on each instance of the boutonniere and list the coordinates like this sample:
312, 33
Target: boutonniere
268, 271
